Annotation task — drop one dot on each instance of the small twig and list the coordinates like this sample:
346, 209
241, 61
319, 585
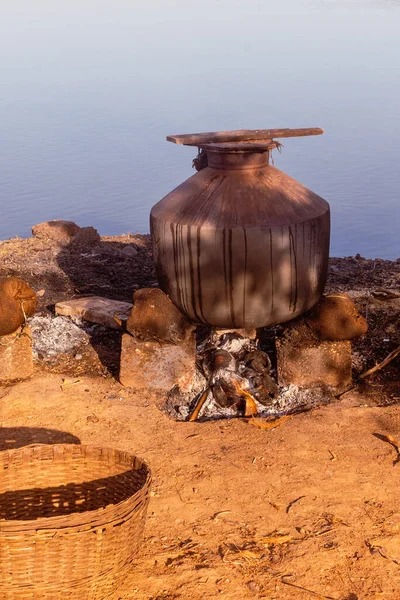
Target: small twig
390, 440
380, 551
7, 391
383, 364
289, 506
303, 589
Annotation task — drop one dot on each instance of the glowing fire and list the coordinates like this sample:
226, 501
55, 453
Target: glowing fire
251, 408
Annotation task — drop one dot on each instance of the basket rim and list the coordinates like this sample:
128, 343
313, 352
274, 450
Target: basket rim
98, 517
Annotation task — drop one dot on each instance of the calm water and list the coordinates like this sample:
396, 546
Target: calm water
90, 89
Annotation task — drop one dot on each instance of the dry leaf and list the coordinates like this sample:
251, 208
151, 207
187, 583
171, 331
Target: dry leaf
249, 555
218, 514
289, 506
277, 539
65, 383
264, 424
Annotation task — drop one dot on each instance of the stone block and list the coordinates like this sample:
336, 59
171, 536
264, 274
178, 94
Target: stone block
96, 309
16, 360
335, 317
155, 317
155, 365
307, 362
17, 301
58, 230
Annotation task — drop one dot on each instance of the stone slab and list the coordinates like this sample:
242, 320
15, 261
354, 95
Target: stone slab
314, 364
96, 309
16, 360
156, 365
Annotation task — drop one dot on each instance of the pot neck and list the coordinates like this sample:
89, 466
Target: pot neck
237, 161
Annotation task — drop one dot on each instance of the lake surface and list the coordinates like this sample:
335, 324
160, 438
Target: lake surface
90, 89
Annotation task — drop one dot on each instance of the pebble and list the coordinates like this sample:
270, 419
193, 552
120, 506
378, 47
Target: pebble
92, 419
253, 586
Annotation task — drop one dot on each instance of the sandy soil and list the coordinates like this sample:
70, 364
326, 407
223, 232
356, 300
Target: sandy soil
222, 518
309, 509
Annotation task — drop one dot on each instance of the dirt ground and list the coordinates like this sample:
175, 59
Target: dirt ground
308, 509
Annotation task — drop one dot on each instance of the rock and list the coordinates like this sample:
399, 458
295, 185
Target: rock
154, 317
86, 237
307, 362
155, 365
16, 298
16, 360
335, 317
130, 250
58, 230
96, 309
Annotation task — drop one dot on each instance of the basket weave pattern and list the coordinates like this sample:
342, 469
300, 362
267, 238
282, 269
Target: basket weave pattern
71, 518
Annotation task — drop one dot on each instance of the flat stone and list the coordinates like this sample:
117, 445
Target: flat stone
58, 230
154, 365
155, 317
307, 362
335, 317
96, 309
16, 360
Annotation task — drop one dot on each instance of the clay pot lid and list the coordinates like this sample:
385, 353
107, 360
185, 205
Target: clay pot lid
262, 137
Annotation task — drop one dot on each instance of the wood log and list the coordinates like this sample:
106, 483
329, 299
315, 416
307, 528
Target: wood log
241, 135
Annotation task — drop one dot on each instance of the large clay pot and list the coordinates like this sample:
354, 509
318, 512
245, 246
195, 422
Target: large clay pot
240, 244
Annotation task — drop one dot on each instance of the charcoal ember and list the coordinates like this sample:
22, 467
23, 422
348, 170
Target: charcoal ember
203, 362
220, 396
213, 360
247, 373
178, 403
229, 389
222, 360
258, 360
266, 389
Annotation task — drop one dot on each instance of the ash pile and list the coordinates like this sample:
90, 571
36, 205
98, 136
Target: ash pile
203, 373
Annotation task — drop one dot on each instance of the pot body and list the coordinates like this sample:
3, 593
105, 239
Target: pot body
241, 244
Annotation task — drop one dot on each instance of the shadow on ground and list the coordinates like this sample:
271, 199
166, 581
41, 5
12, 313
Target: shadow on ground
16, 437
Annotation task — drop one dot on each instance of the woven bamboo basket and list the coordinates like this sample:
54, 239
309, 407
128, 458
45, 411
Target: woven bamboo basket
71, 519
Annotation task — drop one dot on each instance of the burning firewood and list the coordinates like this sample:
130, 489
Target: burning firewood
226, 385
250, 407
199, 405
